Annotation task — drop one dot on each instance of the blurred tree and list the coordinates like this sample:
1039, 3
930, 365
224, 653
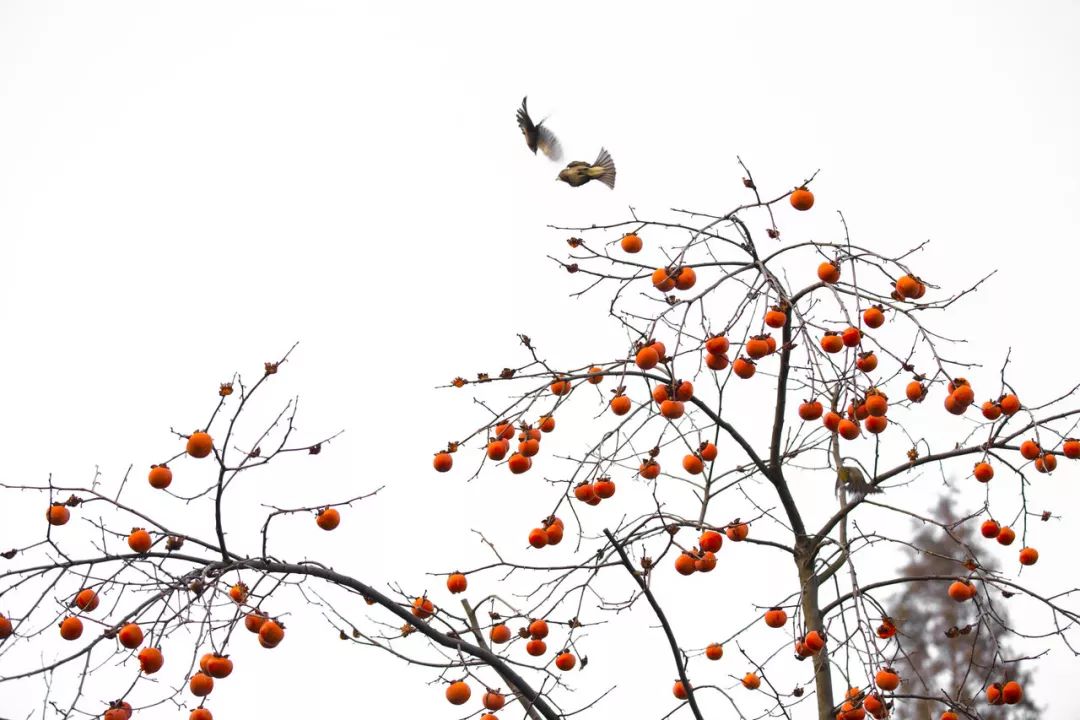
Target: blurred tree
951, 647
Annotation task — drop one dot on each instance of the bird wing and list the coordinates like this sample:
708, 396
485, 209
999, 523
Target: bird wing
523, 120
548, 143
578, 163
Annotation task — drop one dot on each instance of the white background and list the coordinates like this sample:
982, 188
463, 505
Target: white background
186, 190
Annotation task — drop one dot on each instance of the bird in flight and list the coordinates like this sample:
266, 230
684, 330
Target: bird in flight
536, 135
578, 173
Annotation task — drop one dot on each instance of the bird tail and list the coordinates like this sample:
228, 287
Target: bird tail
604, 169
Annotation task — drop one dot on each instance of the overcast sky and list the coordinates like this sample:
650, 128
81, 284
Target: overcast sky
187, 189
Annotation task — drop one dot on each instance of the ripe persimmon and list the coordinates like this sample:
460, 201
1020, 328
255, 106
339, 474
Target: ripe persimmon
744, 367
662, 280
238, 593
775, 618
1012, 693
693, 464
714, 651
160, 476
990, 529
584, 492
672, 409
497, 449
86, 600
647, 358
253, 621
711, 541
737, 532
685, 278
756, 348
802, 199
751, 681
535, 647
538, 629
1006, 535
832, 421
1047, 462
328, 518
848, 429
915, 391
874, 316
706, 562
559, 387
1029, 556
529, 447
6, 627
500, 634
150, 660
717, 345
130, 636
908, 286
630, 243
832, 342
1030, 449
1010, 404
199, 445
961, 591
851, 337
649, 469
272, 633
443, 461
887, 679
984, 471
991, 410
547, 423
519, 463
565, 661
1071, 448
200, 714
57, 514
201, 684
493, 700
620, 404
422, 608
811, 410
458, 693
707, 451
603, 487
71, 628
456, 583
814, 641
538, 538
775, 317
716, 362
685, 564
679, 690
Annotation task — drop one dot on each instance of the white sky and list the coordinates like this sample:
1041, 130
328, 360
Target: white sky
185, 190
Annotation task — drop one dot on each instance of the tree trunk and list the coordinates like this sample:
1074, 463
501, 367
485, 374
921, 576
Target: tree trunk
808, 581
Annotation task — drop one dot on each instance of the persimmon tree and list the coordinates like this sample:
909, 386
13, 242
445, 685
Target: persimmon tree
771, 399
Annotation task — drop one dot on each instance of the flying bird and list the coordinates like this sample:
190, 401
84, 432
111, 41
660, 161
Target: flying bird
852, 480
578, 173
536, 135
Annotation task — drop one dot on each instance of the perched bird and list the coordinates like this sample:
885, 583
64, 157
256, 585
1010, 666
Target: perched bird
536, 135
851, 479
578, 173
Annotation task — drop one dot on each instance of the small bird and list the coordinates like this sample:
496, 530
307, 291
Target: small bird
536, 135
852, 480
578, 173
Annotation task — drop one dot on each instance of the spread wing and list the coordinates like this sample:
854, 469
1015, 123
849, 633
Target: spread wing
523, 120
549, 144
